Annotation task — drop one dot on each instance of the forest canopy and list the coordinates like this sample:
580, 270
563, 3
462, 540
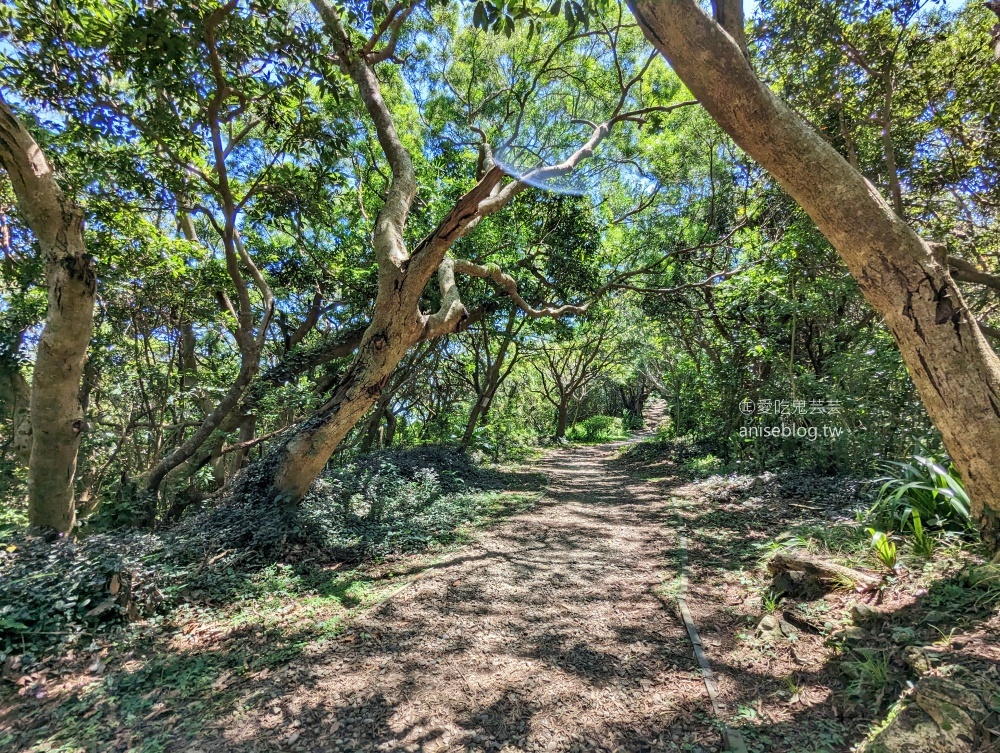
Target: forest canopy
272, 234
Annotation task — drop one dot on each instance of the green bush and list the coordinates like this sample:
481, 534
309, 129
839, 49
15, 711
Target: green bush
51, 592
597, 429
706, 465
926, 487
370, 515
632, 422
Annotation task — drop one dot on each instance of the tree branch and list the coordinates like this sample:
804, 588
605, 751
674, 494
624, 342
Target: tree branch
389, 245
452, 314
509, 285
964, 271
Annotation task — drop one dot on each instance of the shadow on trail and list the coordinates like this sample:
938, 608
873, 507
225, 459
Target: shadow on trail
553, 632
724, 533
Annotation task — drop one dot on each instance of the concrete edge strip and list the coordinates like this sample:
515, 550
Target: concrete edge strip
731, 738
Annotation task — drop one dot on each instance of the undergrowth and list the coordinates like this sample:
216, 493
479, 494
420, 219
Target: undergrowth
385, 504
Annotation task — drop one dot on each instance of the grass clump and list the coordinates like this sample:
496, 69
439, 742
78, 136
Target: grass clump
870, 675
926, 487
598, 429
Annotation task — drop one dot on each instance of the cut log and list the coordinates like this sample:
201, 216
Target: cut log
824, 570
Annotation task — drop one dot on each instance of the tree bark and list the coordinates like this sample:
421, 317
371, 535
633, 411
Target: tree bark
211, 422
299, 460
562, 418
371, 432
478, 408
994, 6
292, 365
892, 172
390, 428
16, 393
729, 14
952, 365
57, 418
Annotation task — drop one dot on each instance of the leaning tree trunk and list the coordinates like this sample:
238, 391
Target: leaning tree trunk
301, 457
478, 409
951, 363
57, 418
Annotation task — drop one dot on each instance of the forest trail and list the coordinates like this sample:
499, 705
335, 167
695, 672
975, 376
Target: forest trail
545, 634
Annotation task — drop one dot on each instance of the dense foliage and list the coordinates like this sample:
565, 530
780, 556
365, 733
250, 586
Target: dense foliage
232, 180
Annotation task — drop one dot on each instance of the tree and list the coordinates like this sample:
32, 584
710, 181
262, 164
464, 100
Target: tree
57, 418
197, 122
493, 354
568, 366
952, 364
398, 321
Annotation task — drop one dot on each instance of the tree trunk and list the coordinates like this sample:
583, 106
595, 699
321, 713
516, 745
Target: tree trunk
212, 421
288, 369
729, 14
470, 427
248, 430
16, 394
562, 418
952, 365
892, 172
371, 431
390, 429
302, 456
71, 278
825, 570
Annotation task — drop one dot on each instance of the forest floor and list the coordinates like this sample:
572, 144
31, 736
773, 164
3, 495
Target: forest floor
556, 630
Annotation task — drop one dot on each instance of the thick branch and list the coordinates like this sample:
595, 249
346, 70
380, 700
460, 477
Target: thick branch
389, 246
966, 272
729, 14
452, 313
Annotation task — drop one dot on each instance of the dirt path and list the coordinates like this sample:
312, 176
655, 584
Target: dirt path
546, 634
556, 630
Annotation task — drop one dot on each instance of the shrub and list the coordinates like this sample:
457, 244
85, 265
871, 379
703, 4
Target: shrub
927, 488
870, 675
706, 465
597, 429
632, 422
